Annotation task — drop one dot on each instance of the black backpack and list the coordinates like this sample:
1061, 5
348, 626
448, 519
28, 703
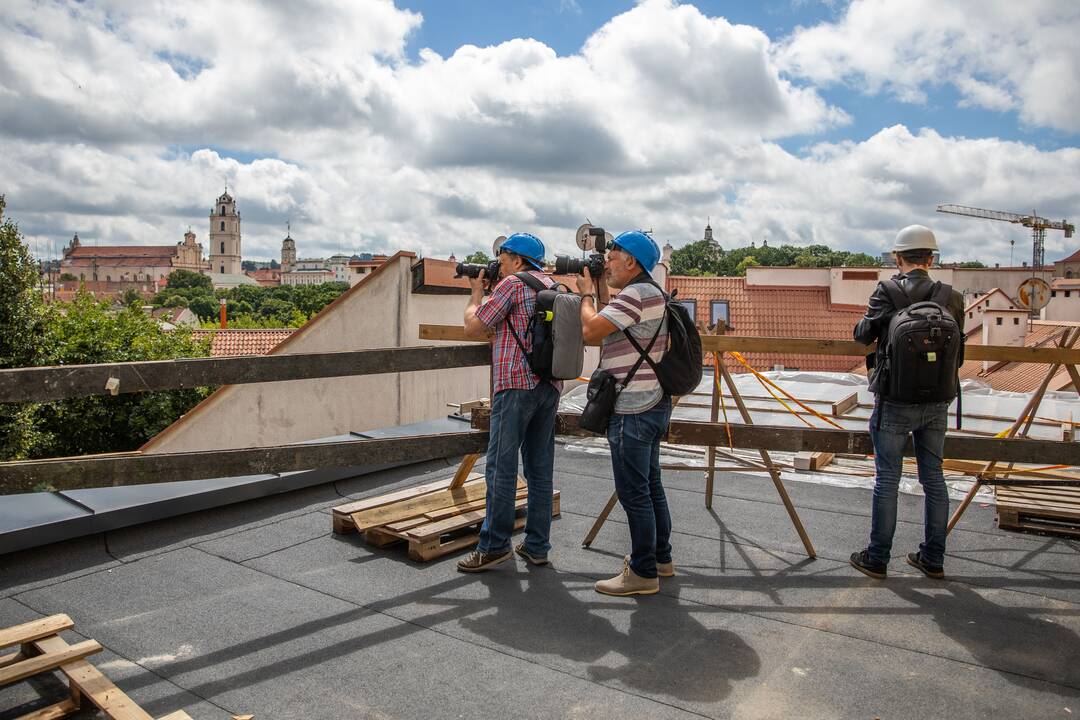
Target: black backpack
922, 349
679, 370
557, 349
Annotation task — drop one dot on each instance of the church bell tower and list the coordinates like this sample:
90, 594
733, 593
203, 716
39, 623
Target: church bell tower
225, 236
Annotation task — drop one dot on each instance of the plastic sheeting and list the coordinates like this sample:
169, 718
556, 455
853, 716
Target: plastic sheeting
985, 412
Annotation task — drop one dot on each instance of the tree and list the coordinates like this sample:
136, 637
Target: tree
89, 332
188, 279
275, 265
131, 296
247, 265
478, 258
748, 261
697, 258
24, 321
67, 277
175, 301
967, 264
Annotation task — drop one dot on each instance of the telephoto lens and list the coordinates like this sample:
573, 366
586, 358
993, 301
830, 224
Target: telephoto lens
468, 270
566, 265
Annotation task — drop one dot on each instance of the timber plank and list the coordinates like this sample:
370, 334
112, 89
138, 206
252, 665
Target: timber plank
61, 709
379, 500
95, 686
34, 630
41, 384
418, 506
140, 468
47, 661
178, 715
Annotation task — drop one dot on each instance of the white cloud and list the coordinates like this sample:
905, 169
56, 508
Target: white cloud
117, 121
998, 54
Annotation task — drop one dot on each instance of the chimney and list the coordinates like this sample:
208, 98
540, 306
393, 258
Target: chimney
224, 313
1003, 327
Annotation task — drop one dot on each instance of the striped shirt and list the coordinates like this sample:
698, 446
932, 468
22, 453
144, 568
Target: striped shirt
515, 300
639, 309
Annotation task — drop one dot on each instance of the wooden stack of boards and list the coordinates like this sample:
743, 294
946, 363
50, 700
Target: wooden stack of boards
434, 519
42, 650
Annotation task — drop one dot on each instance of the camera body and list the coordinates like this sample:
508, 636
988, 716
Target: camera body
566, 265
472, 270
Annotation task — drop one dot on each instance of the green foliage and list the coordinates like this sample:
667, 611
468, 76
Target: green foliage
247, 265
479, 257
707, 258
83, 331
131, 296
24, 322
275, 265
967, 264
253, 306
87, 331
188, 279
67, 277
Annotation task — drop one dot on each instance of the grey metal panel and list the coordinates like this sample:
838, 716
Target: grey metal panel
31, 519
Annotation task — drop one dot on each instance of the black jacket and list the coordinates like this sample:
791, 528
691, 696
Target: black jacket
879, 311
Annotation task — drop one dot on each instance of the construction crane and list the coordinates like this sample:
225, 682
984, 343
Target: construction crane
1038, 225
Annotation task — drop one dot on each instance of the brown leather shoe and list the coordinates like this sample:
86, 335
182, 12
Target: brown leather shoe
628, 582
477, 561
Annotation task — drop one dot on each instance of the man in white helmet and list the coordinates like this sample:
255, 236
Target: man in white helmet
898, 410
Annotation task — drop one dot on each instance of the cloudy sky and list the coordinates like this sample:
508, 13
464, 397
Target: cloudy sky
436, 125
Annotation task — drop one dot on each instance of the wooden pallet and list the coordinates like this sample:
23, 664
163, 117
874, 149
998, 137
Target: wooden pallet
433, 519
42, 650
1047, 509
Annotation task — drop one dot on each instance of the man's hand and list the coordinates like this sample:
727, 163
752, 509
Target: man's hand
585, 284
477, 283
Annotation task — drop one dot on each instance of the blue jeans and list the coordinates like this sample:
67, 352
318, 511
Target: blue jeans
635, 460
521, 420
925, 423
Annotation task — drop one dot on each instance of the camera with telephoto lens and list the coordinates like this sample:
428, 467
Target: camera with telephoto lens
566, 265
491, 270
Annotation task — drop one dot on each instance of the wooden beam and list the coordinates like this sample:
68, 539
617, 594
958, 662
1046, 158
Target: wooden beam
839, 442
843, 407
42, 384
818, 346
91, 684
34, 630
47, 661
140, 468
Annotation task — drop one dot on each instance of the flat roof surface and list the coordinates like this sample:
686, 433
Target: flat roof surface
257, 608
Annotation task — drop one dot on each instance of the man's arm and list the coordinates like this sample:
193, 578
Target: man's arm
475, 328
594, 327
878, 309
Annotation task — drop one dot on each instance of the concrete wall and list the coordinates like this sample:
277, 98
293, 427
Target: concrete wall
1063, 308
788, 277
974, 282
381, 312
1003, 327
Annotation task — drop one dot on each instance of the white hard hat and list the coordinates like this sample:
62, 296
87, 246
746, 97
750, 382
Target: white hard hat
915, 237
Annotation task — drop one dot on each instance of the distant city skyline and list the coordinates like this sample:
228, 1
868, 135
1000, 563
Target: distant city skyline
436, 125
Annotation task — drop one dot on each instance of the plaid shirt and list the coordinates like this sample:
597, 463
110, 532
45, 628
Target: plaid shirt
514, 299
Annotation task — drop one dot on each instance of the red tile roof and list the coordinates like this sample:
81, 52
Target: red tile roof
236, 341
117, 251
1075, 257
774, 312
1018, 377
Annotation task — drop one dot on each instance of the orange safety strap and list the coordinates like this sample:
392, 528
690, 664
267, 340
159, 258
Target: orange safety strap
766, 381
723, 404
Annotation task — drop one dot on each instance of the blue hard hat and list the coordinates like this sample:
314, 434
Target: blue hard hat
642, 247
527, 246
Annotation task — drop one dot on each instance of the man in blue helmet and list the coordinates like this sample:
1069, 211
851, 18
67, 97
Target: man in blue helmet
523, 410
642, 409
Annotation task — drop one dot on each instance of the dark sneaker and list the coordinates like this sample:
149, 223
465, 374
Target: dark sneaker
915, 561
529, 557
861, 562
477, 561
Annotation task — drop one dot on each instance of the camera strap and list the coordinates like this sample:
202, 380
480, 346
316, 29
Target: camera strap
537, 285
643, 355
